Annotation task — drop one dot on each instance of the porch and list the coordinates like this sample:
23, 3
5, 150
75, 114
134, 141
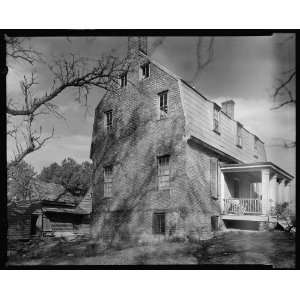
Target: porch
250, 192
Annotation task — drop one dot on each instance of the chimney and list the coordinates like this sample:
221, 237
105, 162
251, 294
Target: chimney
228, 108
137, 44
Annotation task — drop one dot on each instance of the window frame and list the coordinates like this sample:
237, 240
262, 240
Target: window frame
163, 172
255, 143
123, 80
239, 137
107, 181
216, 118
108, 121
142, 66
159, 223
163, 104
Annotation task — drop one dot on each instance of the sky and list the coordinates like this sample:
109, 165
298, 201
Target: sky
243, 69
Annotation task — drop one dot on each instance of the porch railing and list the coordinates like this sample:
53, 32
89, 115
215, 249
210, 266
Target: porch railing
241, 206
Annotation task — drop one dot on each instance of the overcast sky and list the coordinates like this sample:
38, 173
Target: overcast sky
243, 69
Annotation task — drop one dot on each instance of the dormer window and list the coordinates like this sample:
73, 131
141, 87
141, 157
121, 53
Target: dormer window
123, 80
255, 143
144, 71
216, 119
239, 142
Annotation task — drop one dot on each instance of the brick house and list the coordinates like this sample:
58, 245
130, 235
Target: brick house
170, 162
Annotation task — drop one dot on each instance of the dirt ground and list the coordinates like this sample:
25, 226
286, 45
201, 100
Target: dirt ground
231, 247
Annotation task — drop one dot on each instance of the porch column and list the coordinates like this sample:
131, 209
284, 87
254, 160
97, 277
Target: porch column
222, 191
281, 187
273, 191
287, 192
265, 183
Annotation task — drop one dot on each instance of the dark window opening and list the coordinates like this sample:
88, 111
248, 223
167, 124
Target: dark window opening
215, 225
239, 135
108, 178
216, 118
159, 223
163, 172
163, 104
145, 70
255, 143
123, 79
33, 230
108, 117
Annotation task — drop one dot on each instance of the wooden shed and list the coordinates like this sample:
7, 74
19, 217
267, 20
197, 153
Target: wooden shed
51, 211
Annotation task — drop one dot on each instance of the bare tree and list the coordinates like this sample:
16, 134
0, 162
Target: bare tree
284, 92
67, 72
204, 55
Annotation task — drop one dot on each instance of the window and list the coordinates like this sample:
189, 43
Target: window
108, 177
163, 104
108, 120
216, 118
159, 223
239, 135
255, 143
123, 80
163, 172
214, 178
145, 71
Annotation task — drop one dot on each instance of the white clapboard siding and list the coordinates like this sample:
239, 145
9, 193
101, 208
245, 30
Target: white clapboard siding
199, 121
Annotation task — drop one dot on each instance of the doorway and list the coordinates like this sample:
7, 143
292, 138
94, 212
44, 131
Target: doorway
236, 188
33, 224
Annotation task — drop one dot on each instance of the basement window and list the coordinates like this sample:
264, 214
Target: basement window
123, 80
163, 172
159, 223
163, 104
108, 177
108, 120
144, 71
216, 127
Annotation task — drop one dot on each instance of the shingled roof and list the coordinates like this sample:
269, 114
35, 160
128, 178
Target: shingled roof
53, 193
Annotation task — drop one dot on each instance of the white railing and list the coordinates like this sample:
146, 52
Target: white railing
241, 206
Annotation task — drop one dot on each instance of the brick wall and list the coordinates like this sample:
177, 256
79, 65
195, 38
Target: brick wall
137, 138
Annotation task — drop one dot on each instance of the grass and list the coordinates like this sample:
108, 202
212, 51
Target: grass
232, 247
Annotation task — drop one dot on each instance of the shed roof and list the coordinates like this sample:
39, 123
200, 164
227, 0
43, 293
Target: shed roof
256, 166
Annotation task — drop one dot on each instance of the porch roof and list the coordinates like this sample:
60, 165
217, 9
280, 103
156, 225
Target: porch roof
241, 167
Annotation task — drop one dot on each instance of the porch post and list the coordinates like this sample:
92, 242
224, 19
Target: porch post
287, 192
265, 182
281, 191
222, 191
273, 191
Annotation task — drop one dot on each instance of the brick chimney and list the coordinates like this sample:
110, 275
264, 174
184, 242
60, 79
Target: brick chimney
228, 108
137, 44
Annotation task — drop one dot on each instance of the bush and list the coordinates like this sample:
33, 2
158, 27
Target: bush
282, 209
